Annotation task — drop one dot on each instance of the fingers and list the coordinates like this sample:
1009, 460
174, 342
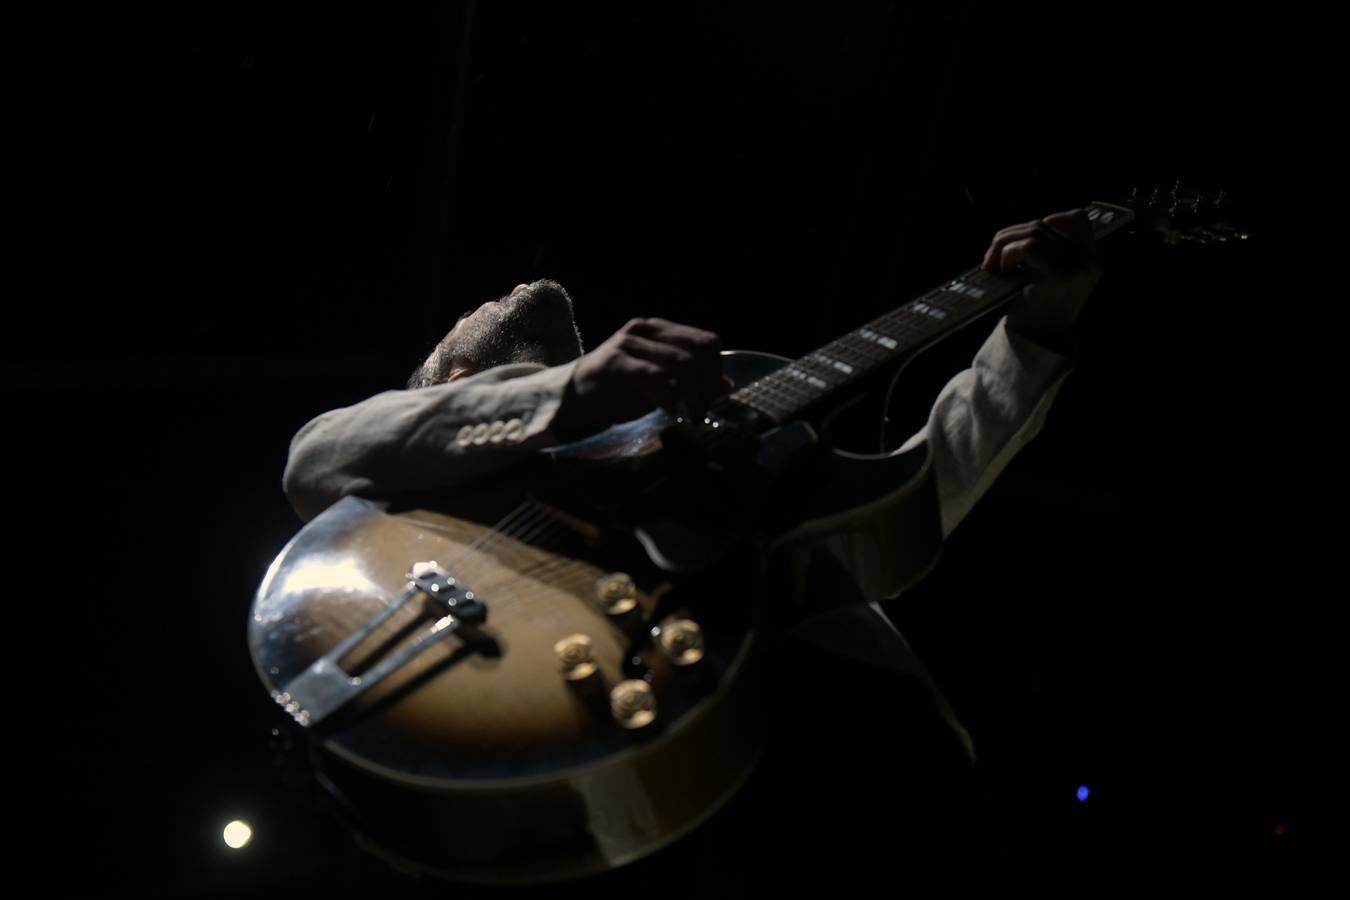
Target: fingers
636, 385
646, 364
1074, 225
1056, 245
690, 356
695, 340
993, 257
1026, 256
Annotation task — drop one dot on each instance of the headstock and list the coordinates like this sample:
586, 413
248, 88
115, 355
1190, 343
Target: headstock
1186, 215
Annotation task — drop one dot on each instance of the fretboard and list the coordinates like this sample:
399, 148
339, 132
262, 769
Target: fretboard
832, 369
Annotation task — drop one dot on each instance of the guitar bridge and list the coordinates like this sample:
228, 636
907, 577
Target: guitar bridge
325, 687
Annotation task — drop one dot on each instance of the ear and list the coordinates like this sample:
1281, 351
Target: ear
458, 373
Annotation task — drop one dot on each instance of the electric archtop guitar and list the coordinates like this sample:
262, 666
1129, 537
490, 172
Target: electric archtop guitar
555, 673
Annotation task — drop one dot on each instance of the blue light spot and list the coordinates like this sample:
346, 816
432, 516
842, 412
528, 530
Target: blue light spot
1083, 793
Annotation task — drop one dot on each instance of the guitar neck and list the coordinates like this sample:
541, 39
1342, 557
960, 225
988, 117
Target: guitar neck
882, 343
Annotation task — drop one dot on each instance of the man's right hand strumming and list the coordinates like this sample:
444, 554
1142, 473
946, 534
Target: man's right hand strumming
648, 363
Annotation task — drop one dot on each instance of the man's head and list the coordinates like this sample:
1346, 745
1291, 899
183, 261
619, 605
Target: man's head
534, 323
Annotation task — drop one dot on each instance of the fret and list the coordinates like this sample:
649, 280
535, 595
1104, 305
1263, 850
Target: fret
765, 392
780, 400
989, 281
931, 309
880, 338
858, 343
966, 288
765, 409
784, 386
905, 321
802, 385
895, 325
914, 328
855, 360
942, 300
803, 375
830, 363
776, 387
856, 351
981, 284
760, 404
876, 335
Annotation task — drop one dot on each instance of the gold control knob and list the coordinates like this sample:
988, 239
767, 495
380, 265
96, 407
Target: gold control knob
633, 703
618, 593
682, 641
574, 656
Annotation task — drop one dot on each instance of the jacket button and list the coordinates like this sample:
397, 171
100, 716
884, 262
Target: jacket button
495, 431
480, 433
465, 436
514, 430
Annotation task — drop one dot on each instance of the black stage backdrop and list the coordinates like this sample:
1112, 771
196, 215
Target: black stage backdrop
259, 214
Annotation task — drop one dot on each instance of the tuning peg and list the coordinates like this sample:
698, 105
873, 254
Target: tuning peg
1178, 203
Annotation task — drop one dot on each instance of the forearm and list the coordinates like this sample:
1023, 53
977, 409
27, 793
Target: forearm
431, 438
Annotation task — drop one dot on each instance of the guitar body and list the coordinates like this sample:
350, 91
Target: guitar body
493, 756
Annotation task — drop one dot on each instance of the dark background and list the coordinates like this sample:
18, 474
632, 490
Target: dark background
263, 215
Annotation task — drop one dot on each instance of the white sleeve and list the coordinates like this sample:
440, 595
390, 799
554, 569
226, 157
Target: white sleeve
986, 414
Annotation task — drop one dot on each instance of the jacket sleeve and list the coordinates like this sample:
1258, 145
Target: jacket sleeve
429, 438
986, 414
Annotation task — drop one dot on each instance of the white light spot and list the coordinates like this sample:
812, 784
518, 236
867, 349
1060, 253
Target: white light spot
237, 835
327, 574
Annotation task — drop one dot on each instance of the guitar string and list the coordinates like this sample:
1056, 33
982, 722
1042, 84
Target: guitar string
553, 522
502, 540
518, 522
528, 524
521, 513
525, 533
506, 528
520, 587
532, 521
551, 568
524, 586
544, 516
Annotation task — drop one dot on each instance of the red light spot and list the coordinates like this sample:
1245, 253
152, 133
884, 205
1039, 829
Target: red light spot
1279, 829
